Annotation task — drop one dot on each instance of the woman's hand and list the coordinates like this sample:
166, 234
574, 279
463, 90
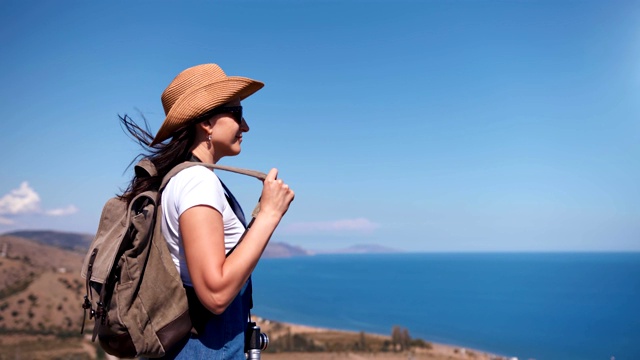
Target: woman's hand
276, 195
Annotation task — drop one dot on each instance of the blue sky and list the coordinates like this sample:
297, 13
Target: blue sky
423, 126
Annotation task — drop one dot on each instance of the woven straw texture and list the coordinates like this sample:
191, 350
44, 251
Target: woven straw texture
197, 90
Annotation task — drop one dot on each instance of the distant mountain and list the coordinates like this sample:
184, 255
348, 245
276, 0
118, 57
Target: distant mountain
364, 249
80, 242
280, 250
64, 240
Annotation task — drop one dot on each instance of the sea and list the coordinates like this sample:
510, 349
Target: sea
569, 306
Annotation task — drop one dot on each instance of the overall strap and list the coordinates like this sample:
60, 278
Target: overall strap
235, 206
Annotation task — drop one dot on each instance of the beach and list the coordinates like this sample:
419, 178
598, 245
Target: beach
282, 332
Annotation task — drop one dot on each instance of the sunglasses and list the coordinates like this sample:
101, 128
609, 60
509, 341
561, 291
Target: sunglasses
235, 111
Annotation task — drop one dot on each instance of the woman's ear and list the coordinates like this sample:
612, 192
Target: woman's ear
206, 125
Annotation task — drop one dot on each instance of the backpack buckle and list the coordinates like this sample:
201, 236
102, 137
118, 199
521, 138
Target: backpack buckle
100, 312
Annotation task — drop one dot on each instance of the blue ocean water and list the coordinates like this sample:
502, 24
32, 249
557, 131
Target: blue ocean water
567, 306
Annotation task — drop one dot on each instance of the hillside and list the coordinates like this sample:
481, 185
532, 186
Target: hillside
39, 282
41, 256
40, 296
281, 250
64, 240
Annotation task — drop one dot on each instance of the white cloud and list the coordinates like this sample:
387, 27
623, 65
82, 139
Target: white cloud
359, 225
62, 211
22, 200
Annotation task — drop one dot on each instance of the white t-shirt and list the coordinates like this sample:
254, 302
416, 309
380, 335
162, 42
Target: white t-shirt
191, 187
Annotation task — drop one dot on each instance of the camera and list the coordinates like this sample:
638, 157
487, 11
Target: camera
254, 341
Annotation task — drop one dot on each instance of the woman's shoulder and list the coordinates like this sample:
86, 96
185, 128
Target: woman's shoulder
196, 185
195, 175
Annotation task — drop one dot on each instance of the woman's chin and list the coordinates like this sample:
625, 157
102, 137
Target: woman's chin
235, 151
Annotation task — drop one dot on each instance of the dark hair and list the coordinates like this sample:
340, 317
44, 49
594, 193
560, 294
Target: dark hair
164, 156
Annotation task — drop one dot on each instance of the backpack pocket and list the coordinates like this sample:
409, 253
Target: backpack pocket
114, 335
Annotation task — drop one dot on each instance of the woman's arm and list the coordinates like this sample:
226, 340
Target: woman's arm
217, 279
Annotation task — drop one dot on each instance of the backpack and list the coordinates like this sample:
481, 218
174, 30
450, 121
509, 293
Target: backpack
133, 289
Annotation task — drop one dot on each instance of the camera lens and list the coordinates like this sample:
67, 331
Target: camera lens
264, 341
254, 339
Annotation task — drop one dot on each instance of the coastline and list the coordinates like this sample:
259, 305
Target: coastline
278, 332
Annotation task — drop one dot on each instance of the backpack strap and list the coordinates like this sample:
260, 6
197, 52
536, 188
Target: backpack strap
187, 164
147, 166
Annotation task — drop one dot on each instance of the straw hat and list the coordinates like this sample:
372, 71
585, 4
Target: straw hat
197, 90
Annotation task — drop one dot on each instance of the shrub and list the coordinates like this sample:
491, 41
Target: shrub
421, 344
16, 287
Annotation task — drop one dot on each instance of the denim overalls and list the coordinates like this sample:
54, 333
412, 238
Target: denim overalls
223, 337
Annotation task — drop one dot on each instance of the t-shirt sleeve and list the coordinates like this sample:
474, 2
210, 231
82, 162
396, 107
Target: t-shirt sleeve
196, 186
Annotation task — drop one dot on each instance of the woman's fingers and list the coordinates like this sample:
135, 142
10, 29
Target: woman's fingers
276, 194
272, 175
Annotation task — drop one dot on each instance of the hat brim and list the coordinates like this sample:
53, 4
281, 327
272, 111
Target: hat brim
197, 101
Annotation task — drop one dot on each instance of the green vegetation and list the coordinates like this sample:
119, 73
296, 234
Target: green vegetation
334, 341
419, 343
76, 285
400, 339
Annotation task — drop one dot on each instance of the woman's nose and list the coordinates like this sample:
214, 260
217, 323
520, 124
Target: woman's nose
244, 126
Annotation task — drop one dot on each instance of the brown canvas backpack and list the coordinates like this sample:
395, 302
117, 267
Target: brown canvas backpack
133, 289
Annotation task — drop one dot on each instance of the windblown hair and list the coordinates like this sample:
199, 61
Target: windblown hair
164, 156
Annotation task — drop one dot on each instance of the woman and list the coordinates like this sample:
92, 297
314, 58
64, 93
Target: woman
202, 222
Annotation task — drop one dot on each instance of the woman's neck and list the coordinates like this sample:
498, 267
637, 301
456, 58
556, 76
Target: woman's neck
204, 155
